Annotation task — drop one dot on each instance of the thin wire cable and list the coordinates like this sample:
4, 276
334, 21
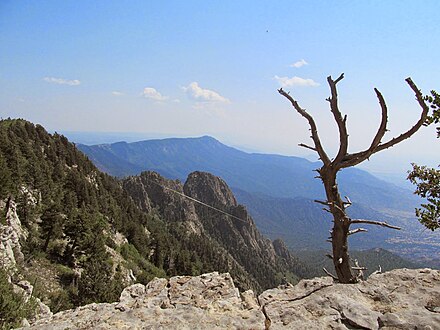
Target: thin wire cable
199, 202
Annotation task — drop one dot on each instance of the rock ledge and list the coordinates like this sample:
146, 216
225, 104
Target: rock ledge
399, 299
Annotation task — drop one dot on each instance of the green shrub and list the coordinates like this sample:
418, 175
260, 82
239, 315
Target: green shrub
59, 301
13, 307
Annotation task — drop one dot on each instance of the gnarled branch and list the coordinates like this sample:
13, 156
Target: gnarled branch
330, 274
308, 147
341, 122
379, 271
377, 223
357, 230
383, 123
315, 137
360, 270
347, 202
357, 158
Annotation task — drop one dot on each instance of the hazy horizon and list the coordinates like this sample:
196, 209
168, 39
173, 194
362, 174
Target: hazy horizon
381, 168
213, 68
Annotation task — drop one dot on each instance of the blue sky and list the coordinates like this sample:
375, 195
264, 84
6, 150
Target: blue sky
191, 68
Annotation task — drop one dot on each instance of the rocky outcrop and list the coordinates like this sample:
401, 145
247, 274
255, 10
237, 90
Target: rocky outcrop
206, 206
135, 187
209, 301
10, 234
11, 255
400, 299
281, 249
151, 190
210, 189
232, 221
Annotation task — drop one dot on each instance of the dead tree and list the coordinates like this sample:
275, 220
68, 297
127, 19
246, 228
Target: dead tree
328, 172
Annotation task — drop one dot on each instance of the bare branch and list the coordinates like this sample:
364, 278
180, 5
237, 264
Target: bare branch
379, 271
360, 275
376, 146
341, 122
357, 230
337, 207
348, 202
339, 78
330, 274
315, 137
419, 123
308, 147
383, 123
329, 256
322, 202
377, 223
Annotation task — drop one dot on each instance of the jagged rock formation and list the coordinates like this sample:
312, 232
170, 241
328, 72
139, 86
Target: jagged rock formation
399, 299
152, 190
237, 232
206, 207
10, 254
10, 234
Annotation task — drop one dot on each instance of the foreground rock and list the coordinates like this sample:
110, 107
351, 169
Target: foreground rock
400, 299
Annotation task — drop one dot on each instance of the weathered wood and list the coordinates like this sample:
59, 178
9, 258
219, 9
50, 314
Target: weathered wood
328, 171
377, 223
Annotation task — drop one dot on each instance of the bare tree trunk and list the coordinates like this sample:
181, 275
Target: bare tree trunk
341, 225
328, 172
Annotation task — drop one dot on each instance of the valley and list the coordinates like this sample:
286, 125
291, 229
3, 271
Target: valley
279, 191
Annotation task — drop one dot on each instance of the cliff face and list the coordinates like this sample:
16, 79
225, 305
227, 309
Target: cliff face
400, 299
236, 229
10, 234
11, 255
150, 190
206, 207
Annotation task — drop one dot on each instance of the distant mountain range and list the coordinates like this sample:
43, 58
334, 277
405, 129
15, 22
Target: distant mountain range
279, 191
271, 175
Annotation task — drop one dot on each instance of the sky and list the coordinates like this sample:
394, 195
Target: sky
193, 68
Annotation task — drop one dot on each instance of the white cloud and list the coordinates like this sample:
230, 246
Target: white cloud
116, 93
62, 81
152, 93
295, 81
204, 95
299, 64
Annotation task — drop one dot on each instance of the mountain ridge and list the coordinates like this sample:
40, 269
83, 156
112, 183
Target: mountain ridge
270, 174
266, 176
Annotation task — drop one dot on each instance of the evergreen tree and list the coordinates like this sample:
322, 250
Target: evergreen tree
6, 186
427, 179
51, 224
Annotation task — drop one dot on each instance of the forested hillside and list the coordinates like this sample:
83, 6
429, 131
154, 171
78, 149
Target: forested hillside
72, 214
84, 237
